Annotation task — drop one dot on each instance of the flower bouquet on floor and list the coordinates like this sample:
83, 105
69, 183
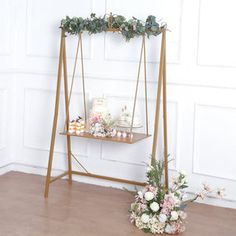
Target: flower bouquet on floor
158, 211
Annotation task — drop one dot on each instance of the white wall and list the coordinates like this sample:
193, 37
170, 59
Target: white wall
201, 87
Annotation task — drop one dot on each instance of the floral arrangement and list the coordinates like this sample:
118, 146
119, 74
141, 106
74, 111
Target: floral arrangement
158, 211
102, 126
128, 28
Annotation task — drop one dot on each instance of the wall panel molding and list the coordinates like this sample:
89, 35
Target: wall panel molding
216, 136
6, 16
47, 30
3, 115
214, 37
112, 53
172, 138
29, 140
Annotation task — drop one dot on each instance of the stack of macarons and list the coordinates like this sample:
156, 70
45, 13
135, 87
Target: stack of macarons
77, 126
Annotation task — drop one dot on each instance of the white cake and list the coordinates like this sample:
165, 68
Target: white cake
125, 119
100, 106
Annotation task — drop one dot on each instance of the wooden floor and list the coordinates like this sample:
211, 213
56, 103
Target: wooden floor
84, 210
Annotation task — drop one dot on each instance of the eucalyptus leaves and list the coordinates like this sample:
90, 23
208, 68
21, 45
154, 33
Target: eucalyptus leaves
128, 28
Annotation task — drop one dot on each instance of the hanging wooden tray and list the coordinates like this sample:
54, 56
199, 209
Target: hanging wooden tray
136, 137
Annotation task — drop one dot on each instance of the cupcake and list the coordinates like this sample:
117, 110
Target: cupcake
80, 125
72, 127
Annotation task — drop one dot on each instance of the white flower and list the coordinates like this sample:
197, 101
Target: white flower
168, 229
162, 218
182, 215
221, 192
145, 218
154, 206
133, 217
175, 199
155, 226
185, 197
174, 215
183, 181
206, 187
149, 168
139, 223
149, 196
202, 194
183, 172
140, 194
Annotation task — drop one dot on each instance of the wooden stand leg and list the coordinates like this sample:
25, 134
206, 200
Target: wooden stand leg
158, 102
55, 117
67, 113
165, 116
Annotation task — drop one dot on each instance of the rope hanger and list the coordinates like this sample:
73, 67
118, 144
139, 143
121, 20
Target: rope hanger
142, 56
79, 44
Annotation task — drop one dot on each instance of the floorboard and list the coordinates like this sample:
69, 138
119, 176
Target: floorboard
87, 210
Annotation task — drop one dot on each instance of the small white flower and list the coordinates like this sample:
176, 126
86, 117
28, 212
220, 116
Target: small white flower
154, 206
168, 229
149, 168
183, 172
156, 227
185, 197
162, 218
182, 215
139, 223
174, 215
145, 218
149, 196
175, 199
140, 194
206, 187
183, 181
202, 194
221, 192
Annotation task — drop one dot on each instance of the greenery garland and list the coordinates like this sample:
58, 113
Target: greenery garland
128, 28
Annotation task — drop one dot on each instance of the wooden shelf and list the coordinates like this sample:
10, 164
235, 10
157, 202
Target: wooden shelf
136, 137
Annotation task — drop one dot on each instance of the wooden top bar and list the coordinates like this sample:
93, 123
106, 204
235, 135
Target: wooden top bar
161, 30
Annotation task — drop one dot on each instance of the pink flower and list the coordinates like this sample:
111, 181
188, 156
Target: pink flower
149, 188
167, 204
143, 207
95, 118
175, 228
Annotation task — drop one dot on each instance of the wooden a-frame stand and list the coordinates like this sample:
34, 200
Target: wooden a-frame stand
161, 84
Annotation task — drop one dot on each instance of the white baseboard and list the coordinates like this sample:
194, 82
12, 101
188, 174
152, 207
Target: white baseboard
6, 168
31, 169
214, 201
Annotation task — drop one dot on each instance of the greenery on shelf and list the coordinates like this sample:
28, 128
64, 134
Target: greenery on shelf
128, 28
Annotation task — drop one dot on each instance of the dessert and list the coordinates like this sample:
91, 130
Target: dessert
77, 126
125, 119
